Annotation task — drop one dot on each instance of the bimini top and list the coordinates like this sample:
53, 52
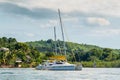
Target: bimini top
58, 57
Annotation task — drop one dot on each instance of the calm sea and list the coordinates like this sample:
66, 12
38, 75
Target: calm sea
85, 74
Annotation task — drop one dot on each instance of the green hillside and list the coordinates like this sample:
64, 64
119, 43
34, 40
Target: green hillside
18, 54
86, 54
30, 54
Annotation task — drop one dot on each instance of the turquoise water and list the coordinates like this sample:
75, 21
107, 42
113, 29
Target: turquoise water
85, 74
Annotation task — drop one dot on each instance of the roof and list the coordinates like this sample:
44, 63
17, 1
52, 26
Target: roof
4, 49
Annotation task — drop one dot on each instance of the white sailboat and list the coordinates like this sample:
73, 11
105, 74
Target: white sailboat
56, 65
58, 62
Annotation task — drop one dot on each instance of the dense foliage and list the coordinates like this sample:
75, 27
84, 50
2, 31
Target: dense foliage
13, 53
30, 54
86, 54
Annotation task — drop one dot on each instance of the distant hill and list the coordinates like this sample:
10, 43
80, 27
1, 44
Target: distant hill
86, 54
83, 51
49, 45
30, 54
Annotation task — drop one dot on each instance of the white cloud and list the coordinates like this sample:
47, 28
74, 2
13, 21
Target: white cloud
71, 19
48, 24
29, 34
2, 0
98, 21
108, 32
53, 22
106, 7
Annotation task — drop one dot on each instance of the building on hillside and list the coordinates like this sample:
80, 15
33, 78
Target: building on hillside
18, 62
4, 49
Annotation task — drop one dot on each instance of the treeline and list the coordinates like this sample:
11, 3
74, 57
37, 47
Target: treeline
30, 54
13, 54
86, 54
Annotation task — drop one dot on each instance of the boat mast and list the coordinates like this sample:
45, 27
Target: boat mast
62, 33
55, 40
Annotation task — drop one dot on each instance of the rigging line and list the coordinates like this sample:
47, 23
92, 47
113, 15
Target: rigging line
62, 32
65, 35
55, 40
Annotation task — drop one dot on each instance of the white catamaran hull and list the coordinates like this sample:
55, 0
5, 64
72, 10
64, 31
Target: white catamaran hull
59, 67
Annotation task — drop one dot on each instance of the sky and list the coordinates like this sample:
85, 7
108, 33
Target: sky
94, 22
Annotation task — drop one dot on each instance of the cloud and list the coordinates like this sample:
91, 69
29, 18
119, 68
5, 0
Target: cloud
16, 0
106, 7
36, 13
2, 0
29, 34
75, 10
106, 32
98, 21
71, 19
71, 11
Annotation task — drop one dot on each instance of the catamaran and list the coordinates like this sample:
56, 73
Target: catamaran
58, 62
55, 64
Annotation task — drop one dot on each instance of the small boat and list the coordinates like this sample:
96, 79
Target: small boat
58, 62
58, 66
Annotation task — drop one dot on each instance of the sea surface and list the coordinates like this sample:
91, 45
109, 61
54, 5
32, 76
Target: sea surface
85, 74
